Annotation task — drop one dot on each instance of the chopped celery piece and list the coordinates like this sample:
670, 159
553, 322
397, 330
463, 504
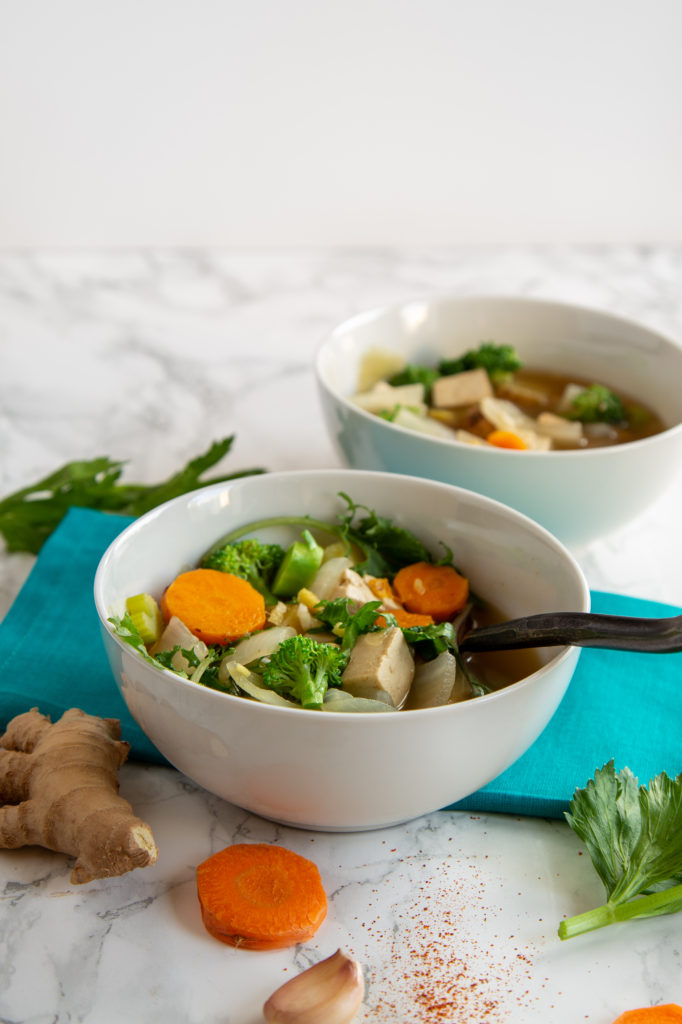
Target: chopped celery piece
146, 616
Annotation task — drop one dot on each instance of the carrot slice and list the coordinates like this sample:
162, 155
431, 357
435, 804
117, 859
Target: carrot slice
380, 587
436, 590
216, 606
405, 619
671, 1013
506, 439
260, 897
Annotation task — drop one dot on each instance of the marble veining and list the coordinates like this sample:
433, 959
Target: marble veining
148, 356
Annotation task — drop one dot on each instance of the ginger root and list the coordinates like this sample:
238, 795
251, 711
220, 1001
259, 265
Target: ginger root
59, 790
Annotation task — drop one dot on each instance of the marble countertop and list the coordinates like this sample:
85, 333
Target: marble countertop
147, 356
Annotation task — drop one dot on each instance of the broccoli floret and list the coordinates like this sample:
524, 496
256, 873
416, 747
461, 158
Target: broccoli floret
303, 668
499, 361
414, 374
597, 404
250, 559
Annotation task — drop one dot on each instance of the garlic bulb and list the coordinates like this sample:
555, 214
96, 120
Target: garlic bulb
327, 993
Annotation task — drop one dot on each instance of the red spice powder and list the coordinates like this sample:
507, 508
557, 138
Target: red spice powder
439, 958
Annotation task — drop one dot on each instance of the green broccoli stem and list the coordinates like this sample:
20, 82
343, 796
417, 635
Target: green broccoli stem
663, 902
262, 524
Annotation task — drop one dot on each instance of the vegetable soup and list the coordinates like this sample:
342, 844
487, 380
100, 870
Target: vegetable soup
355, 615
487, 397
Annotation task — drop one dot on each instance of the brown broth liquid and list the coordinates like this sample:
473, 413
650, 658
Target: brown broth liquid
535, 391
497, 669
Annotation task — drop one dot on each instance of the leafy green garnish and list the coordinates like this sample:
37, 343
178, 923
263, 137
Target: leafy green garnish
339, 615
499, 361
29, 516
386, 547
126, 630
597, 404
430, 641
203, 670
633, 835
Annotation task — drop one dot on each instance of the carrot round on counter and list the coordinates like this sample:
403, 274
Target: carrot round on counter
216, 606
671, 1013
435, 590
258, 896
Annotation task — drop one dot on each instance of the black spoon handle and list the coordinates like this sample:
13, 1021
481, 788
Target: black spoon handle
579, 629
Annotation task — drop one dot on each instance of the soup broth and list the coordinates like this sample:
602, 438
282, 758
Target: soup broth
487, 397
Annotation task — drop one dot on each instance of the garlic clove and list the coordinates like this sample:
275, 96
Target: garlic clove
329, 992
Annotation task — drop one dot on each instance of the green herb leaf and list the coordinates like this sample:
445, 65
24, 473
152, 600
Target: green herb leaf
387, 547
633, 835
29, 516
339, 614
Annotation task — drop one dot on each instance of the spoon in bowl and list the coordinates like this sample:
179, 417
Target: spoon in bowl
579, 629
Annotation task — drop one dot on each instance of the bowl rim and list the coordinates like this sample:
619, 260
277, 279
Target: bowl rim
439, 298
142, 522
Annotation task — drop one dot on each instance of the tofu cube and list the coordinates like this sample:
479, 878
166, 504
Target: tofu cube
466, 388
380, 661
352, 586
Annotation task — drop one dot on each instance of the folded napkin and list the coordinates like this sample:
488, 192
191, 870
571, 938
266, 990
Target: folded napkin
53, 653
619, 705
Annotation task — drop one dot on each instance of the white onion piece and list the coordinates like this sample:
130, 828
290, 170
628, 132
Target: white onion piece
462, 690
461, 620
341, 700
433, 682
329, 576
384, 397
176, 634
505, 415
261, 645
422, 424
247, 681
561, 430
601, 431
466, 437
570, 393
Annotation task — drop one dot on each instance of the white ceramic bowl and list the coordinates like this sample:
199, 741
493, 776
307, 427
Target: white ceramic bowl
334, 771
577, 495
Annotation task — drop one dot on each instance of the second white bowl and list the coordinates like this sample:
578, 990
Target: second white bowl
578, 495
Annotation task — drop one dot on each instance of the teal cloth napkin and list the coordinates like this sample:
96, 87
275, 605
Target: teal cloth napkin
619, 705
50, 643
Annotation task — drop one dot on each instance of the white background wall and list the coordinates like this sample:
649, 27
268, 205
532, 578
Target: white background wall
239, 122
